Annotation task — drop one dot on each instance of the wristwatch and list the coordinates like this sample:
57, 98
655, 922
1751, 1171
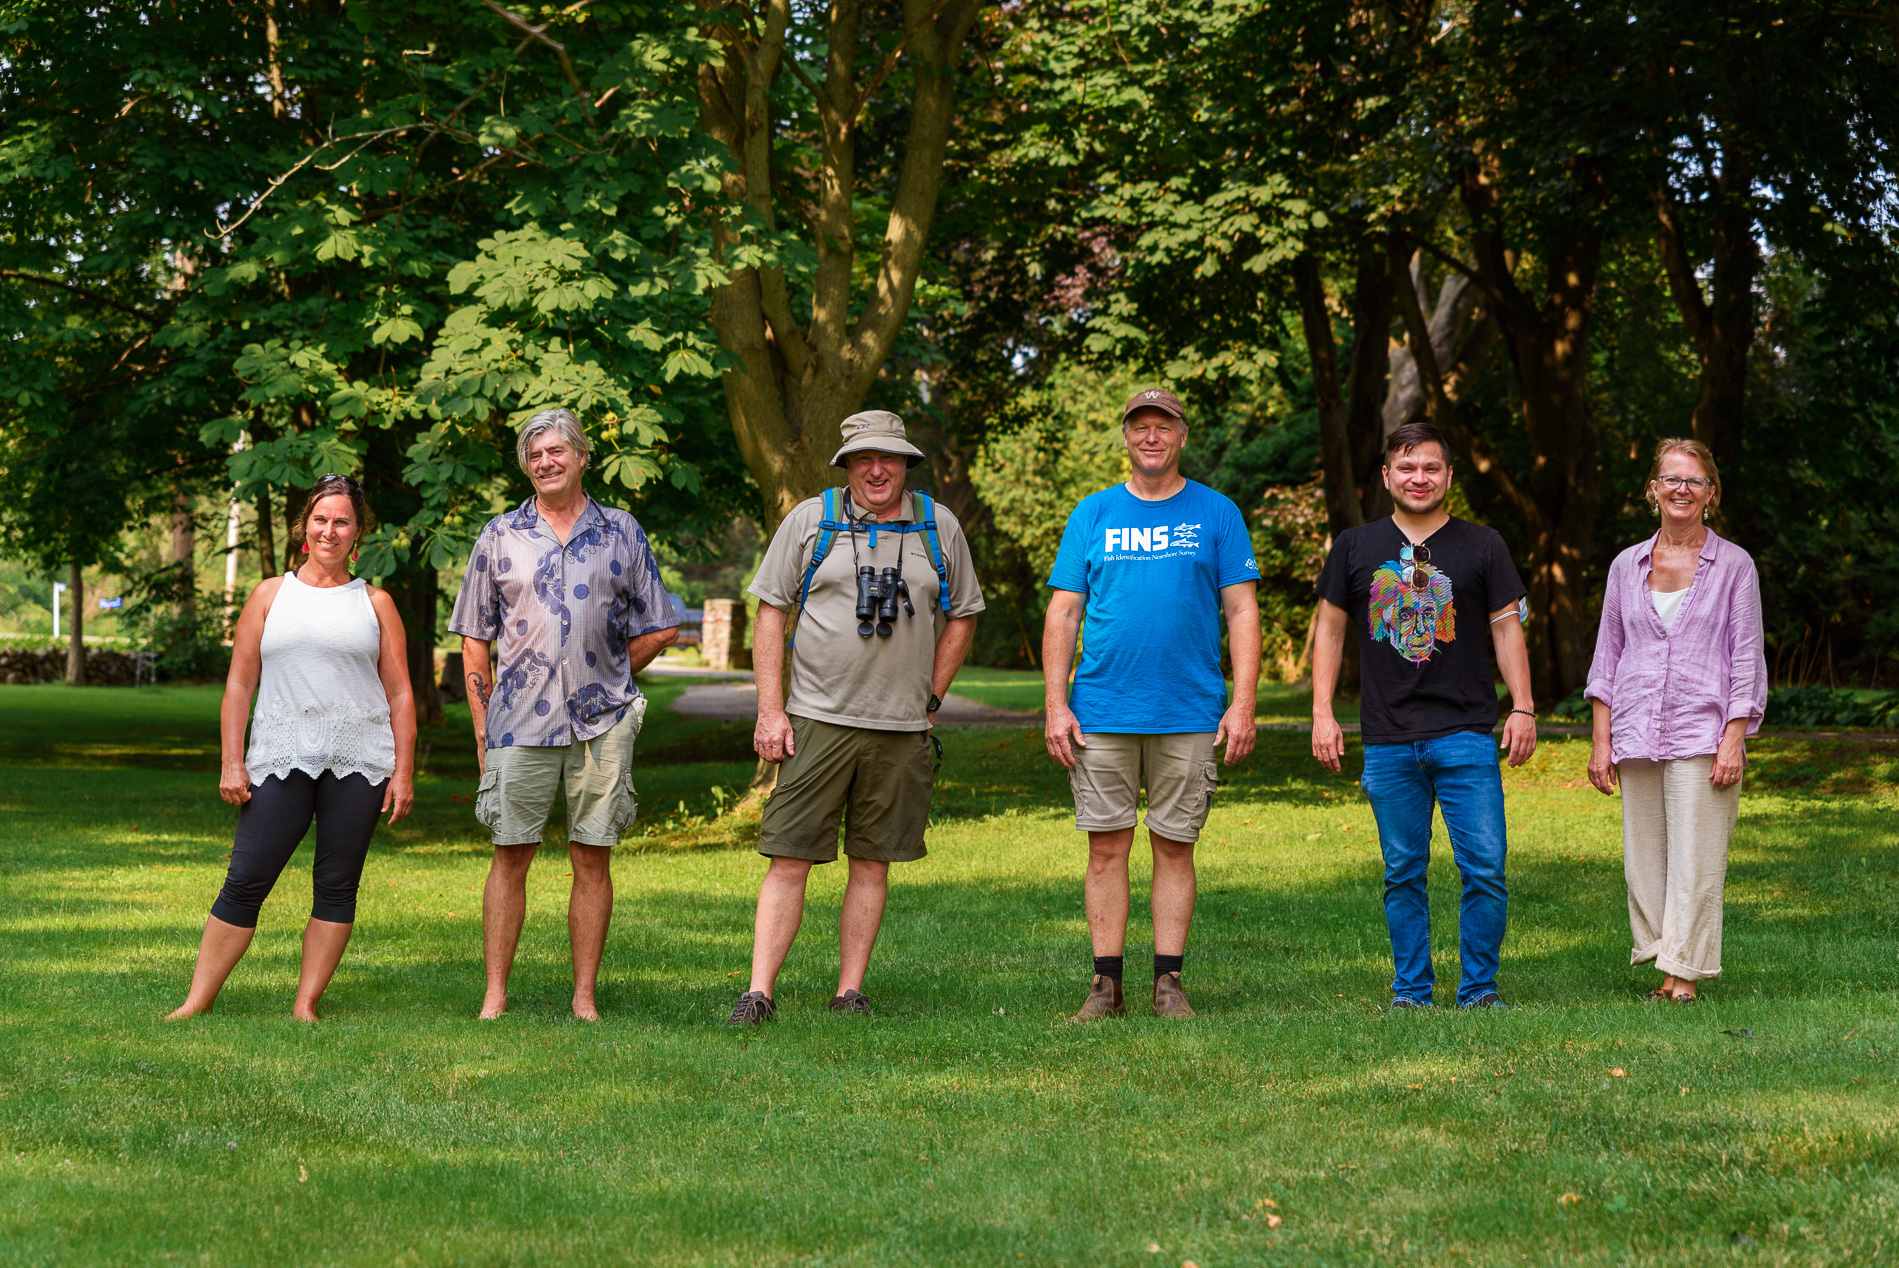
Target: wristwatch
936, 702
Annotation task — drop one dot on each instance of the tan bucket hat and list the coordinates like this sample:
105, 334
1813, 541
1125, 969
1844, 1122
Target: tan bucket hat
877, 429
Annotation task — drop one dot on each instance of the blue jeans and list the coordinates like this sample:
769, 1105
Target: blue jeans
1460, 774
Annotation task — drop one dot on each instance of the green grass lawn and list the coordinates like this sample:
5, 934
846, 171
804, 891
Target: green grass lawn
965, 1124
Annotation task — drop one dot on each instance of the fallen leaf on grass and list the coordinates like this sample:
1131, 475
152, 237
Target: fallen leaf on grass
1684, 1091
1188, 1263
1569, 1199
1313, 836
1849, 1034
303, 1172
1618, 1073
1739, 1034
1415, 1087
1266, 1202
1153, 1248
1273, 1221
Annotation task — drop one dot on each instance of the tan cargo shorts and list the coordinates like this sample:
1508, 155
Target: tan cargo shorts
518, 784
877, 782
1177, 770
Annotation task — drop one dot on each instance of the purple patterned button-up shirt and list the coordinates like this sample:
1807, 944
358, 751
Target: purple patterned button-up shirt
1671, 692
560, 617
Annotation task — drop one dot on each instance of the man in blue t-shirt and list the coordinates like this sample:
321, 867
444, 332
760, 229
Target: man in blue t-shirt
1153, 566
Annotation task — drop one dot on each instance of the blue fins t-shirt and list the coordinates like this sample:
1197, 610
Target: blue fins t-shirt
1150, 574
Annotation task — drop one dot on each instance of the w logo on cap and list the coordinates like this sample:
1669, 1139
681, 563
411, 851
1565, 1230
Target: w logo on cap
1151, 395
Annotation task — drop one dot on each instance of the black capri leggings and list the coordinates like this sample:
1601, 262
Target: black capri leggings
273, 821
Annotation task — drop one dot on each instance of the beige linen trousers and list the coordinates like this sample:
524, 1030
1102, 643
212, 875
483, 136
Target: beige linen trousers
1675, 830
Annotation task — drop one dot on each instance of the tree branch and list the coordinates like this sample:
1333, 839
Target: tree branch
1682, 282
539, 33
86, 293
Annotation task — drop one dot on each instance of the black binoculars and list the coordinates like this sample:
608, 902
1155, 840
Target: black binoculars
877, 600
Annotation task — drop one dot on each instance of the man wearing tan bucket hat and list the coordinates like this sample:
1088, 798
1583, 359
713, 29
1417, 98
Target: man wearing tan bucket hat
880, 583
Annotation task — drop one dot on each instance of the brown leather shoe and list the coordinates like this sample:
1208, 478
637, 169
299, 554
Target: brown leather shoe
1104, 1000
1169, 999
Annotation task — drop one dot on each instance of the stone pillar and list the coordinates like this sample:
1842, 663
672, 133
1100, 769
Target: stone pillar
723, 640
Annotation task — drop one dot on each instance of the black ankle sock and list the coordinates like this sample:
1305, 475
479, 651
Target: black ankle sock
1108, 966
1167, 963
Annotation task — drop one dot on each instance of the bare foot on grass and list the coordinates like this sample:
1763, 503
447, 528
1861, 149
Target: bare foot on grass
493, 1007
185, 1010
303, 1012
584, 1010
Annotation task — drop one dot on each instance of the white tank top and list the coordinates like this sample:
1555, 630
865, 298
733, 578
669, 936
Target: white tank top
320, 703
1667, 605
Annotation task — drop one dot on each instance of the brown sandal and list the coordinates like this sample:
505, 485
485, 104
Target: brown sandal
1658, 994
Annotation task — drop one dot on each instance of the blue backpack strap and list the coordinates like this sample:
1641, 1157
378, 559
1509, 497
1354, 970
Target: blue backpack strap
827, 534
926, 513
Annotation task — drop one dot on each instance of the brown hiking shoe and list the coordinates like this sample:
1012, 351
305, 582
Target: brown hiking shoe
754, 1009
1104, 1000
1169, 999
851, 1002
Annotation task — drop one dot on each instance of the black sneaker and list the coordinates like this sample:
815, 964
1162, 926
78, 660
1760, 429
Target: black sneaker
1400, 1001
1489, 999
754, 1009
853, 1002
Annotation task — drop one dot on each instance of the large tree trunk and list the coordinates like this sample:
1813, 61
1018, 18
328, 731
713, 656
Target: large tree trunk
416, 591
1342, 507
1558, 499
76, 637
184, 556
795, 383
1722, 324
266, 538
1351, 438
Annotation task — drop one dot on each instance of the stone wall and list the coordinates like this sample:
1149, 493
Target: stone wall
103, 669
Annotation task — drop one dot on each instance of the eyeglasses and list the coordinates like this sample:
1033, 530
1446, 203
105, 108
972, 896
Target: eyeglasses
1416, 560
1694, 484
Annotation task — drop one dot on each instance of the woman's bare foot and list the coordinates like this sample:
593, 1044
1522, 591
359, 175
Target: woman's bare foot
304, 1012
186, 1009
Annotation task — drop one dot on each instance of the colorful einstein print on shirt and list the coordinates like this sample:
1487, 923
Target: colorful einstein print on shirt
1411, 605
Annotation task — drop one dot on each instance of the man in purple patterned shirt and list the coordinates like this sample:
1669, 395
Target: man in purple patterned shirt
569, 594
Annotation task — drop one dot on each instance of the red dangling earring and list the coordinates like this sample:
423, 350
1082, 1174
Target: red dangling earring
306, 548
355, 555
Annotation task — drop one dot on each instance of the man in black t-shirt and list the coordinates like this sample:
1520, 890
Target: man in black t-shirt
1421, 587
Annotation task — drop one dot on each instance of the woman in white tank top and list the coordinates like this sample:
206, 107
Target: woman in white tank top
333, 740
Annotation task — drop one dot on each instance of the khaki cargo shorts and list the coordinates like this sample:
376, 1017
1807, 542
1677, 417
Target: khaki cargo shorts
877, 782
518, 785
1178, 772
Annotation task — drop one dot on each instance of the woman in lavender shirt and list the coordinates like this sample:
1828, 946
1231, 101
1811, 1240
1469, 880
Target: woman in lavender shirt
1679, 682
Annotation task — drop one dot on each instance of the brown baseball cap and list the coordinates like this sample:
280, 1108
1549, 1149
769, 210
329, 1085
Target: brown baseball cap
1153, 398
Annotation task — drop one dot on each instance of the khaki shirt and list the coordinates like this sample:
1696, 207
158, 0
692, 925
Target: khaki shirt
882, 684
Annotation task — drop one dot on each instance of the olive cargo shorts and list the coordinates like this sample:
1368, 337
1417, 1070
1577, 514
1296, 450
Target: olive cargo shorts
519, 782
1177, 770
878, 782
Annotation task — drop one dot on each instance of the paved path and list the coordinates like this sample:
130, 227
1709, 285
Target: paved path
738, 702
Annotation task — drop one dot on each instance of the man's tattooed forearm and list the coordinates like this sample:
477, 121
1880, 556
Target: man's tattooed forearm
480, 687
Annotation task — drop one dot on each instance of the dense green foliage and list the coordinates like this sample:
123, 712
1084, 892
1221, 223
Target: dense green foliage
374, 237
964, 1124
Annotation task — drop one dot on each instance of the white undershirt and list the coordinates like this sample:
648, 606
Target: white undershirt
1668, 605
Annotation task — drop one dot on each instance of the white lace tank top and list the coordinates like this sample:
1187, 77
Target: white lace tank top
320, 703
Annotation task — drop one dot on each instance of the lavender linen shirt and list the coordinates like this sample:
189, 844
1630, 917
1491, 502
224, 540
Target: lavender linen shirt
1671, 692
561, 617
